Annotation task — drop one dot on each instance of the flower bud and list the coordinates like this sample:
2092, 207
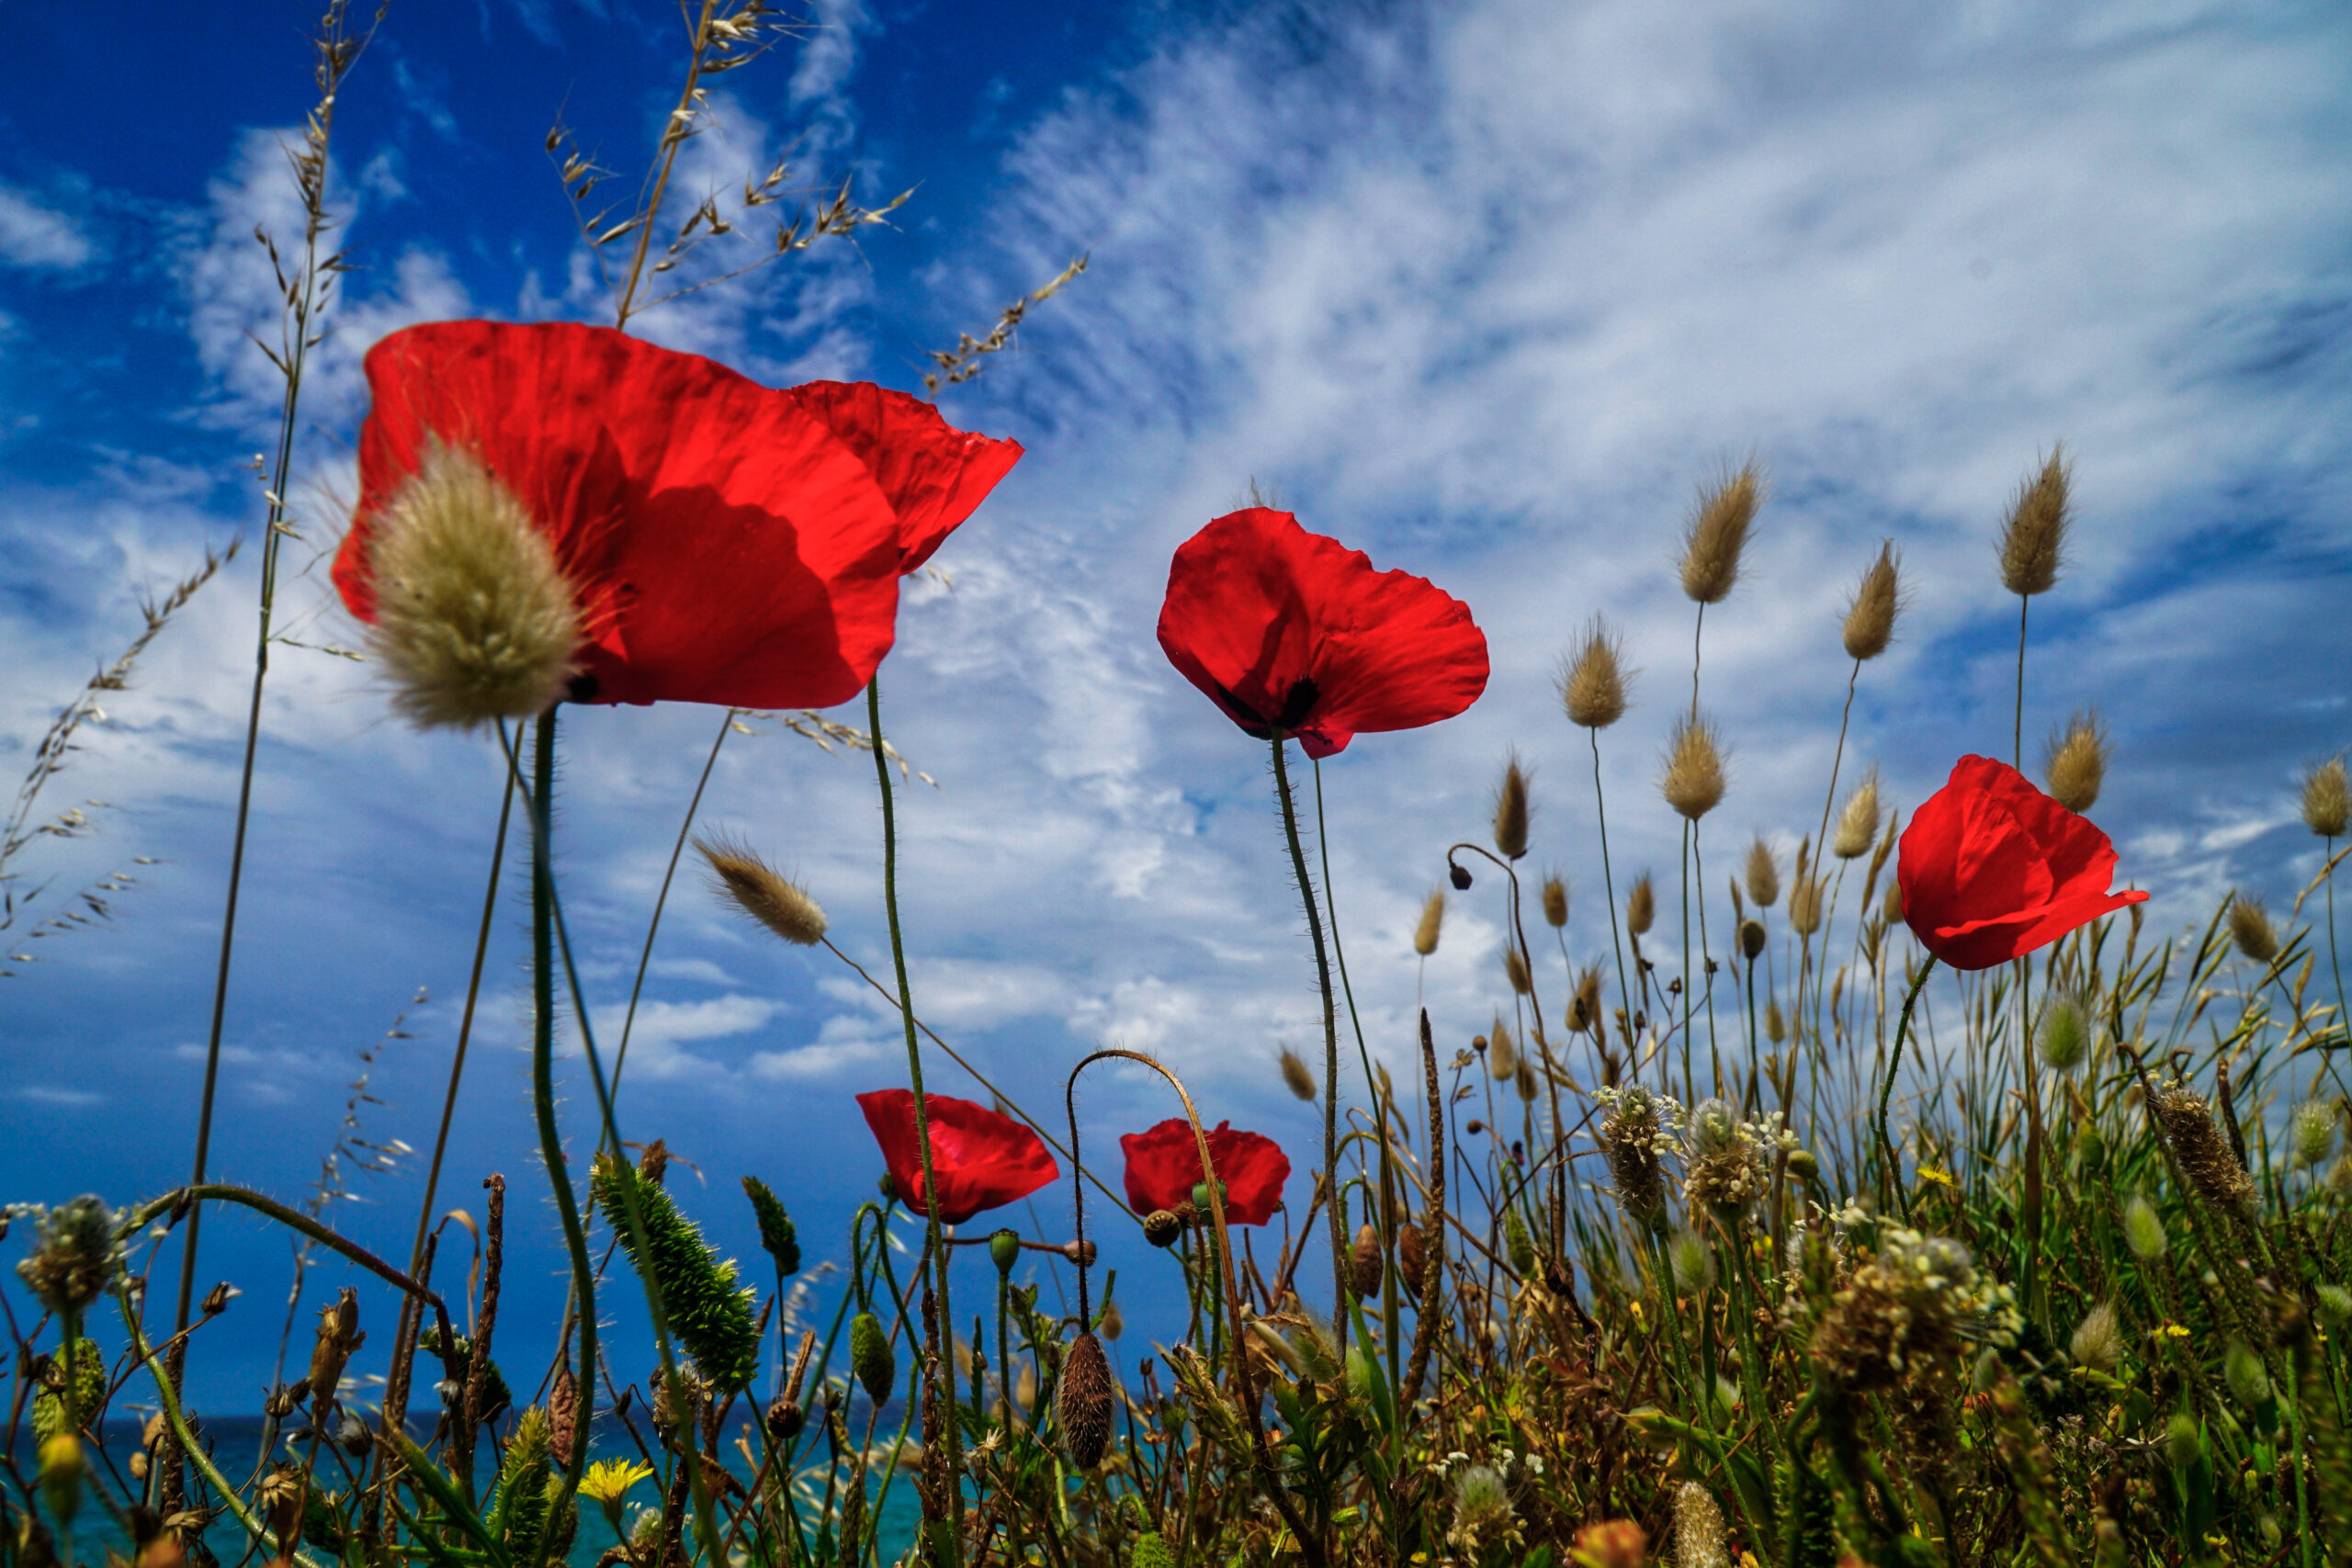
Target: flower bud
1110, 1322
871, 1358
1751, 940
2248, 1379
61, 1465
1459, 874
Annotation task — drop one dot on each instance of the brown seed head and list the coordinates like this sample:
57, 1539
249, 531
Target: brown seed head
1858, 824
1502, 1056
1083, 1404
1776, 1028
1161, 1227
1717, 532
1510, 811
1556, 900
1365, 1265
1869, 614
1515, 970
1641, 907
1805, 904
1763, 873
1693, 781
1584, 1010
1526, 1082
2075, 760
1592, 687
2327, 802
2198, 1147
1433, 920
2251, 929
2033, 541
1411, 1254
475, 621
1629, 1139
1296, 1076
740, 876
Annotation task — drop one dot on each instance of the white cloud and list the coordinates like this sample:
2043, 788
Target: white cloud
57, 1094
662, 1030
35, 235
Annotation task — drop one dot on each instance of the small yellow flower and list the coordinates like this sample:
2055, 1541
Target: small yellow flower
1945, 1177
608, 1480
2175, 1331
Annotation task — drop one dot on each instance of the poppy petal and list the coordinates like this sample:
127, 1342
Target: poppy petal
1163, 1166
981, 1158
934, 474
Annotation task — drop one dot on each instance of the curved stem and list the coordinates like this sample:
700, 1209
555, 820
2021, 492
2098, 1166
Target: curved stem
645, 958
135, 1220
935, 1253
1887, 1089
1337, 1219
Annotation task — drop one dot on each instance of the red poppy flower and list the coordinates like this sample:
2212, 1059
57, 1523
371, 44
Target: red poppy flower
981, 1159
1991, 868
1284, 628
1164, 1165
728, 542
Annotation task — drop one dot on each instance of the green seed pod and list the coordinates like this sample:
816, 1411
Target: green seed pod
1004, 1250
777, 1235
2248, 1379
89, 1388
871, 1358
1516, 1242
62, 1464
2090, 1144
2184, 1442
2144, 1230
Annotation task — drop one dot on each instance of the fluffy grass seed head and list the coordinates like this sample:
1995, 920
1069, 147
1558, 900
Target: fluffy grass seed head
1633, 1134
1502, 1056
761, 891
1692, 1262
1776, 1027
2250, 927
1641, 905
2248, 1377
2143, 1229
2098, 1339
2033, 540
1718, 533
1698, 1529
1433, 920
2310, 1134
475, 620
1298, 1077
1526, 1082
1805, 904
1556, 900
2075, 758
2065, 1037
2335, 1305
1693, 781
1858, 823
1511, 811
1878, 597
1515, 970
2328, 799
1482, 1508
1763, 873
1592, 686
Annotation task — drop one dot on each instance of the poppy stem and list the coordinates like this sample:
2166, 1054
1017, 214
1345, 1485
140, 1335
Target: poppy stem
1887, 1089
1323, 849
1338, 1219
935, 1255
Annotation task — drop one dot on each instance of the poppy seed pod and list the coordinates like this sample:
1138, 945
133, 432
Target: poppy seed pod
1592, 687
1511, 812
2075, 760
1751, 940
1298, 1077
1004, 1249
1083, 1404
1763, 873
1425, 933
1412, 1256
1641, 907
2250, 927
2326, 799
1160, 1227
1365, 1265
2033, 540
752, 886
1555, 901
1693, 781
1869, 614
1858, 823
871, 1358
1718, 533
474, 619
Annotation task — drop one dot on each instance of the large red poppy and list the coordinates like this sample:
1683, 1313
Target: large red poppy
982, 1160
728, 542
1284, 628
1991, 868
1164, 1165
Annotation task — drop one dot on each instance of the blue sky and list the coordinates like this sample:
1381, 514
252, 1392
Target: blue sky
1482, 287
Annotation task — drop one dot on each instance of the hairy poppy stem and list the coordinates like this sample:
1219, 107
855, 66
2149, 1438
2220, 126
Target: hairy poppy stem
935, 1254
1887, 1089
1323, 849
1338, 1217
